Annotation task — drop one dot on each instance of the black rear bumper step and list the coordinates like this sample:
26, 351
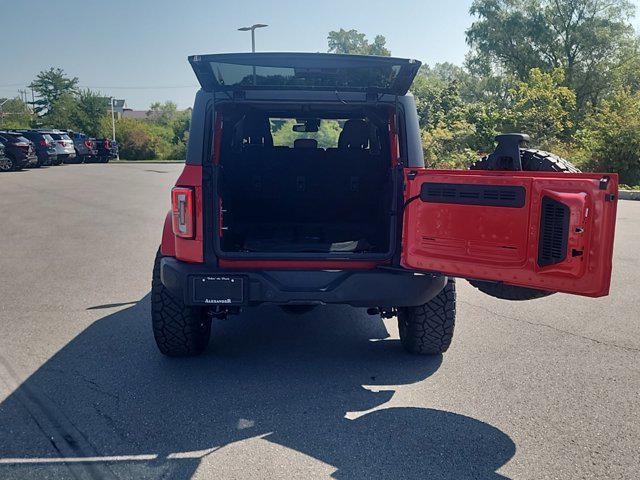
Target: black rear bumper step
358, 288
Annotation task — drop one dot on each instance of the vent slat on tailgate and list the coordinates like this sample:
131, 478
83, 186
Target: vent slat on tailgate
465, 194
554, 232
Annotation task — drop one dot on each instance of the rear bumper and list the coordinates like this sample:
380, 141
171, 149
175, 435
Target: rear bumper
359, 288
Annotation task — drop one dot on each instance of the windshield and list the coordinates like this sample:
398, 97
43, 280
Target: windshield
326, 136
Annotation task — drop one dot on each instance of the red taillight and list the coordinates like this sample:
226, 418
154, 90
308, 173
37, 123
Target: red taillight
182, 212
87, 143
106, 144
43, 143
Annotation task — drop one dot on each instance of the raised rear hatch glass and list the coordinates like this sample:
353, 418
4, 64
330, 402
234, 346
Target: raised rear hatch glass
304, 71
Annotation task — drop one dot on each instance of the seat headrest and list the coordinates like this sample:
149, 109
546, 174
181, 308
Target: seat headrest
355, 134
256, 130
305, 143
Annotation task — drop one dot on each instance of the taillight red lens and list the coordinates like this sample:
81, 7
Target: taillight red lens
87, 143
182, 212
43, 143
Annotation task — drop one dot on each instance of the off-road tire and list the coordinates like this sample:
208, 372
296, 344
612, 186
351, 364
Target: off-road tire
535, 161
428, 329
532, 161
179, 330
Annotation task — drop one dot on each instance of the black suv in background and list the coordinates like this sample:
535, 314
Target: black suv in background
5, 162
107, 149
44, 145
19, 150
85, 146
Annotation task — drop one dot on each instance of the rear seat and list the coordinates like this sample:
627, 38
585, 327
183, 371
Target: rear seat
293, 184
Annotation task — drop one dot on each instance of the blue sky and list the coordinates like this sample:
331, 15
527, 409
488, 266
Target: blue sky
142, 45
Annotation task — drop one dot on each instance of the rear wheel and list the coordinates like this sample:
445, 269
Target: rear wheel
532, 161
428, 329
179, 330
6, 164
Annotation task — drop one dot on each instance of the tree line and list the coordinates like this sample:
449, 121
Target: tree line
567, 72
60, 103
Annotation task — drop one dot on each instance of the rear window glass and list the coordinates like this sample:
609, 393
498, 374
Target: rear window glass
60, 136
326, 136
47, 137
232, 74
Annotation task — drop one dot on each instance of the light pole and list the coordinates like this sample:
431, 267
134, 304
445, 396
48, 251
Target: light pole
1, 111
113, 126
252, 29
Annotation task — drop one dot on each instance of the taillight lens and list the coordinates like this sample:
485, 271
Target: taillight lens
87, 143
182, 212
43, 143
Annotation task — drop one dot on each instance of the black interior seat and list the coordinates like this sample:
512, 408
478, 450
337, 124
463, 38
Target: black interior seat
358, 177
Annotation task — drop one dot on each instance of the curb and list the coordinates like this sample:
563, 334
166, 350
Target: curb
629, 194
147, 162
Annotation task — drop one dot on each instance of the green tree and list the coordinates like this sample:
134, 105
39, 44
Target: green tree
64, 113
542, 107
585, 38
50, 85
15, 113
162, 113
92, 109
356, 43
437, 100
135, 139
610, 138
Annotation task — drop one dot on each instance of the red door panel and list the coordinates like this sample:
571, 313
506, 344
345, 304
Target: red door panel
550, 231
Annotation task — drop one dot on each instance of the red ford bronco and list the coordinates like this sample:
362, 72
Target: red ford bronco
305, 185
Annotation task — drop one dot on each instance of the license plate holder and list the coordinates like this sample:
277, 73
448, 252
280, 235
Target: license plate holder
218, 289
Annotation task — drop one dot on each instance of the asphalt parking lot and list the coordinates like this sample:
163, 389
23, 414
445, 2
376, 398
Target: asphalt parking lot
543, 389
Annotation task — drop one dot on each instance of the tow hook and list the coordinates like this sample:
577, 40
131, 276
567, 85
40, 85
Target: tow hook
221, 313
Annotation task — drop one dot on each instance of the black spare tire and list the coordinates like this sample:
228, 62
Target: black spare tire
532, 161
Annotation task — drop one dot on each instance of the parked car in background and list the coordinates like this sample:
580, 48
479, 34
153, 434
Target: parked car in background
20, 151
114, 149
64, 145
85, 146
5, 162
107, 149
45, 147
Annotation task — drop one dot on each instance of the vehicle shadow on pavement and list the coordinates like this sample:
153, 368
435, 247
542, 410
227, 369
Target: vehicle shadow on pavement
112, 405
